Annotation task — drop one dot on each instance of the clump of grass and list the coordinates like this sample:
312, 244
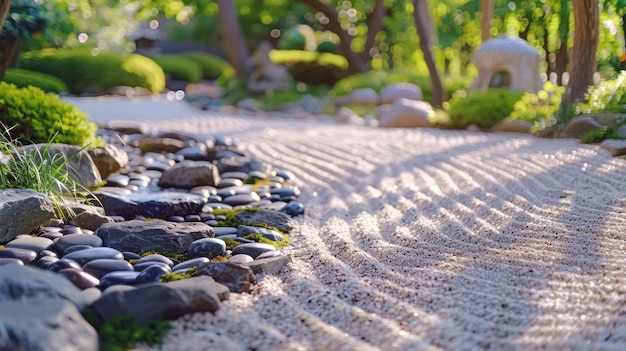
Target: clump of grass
123, 332
230, 243
221, 258
40, 170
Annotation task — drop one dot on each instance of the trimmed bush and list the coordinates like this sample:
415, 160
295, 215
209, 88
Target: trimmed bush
81, 70
212, 66
608, 96
287, 57
178, 67
482, 108
24, 78
38, 116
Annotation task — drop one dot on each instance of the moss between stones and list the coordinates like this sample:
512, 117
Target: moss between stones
161, 251
260, 239
230, 243
170, 277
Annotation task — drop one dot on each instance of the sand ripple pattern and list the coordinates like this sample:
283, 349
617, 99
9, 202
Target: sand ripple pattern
431, 240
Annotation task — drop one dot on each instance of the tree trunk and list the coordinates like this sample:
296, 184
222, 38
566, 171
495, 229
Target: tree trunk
424, 27
486, 10
234, 40
586, 29
4, 9
355, 63
561, 62
9, 50
375, 25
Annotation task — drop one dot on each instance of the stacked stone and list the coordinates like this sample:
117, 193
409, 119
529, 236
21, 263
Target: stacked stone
159, 194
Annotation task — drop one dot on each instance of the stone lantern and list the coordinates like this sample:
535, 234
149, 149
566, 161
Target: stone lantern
507, 62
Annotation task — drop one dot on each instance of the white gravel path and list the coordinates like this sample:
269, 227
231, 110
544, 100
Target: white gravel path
418, 239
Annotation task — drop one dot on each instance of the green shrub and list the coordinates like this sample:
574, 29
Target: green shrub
482, 108
608, 96
80, 69
178, 67
598, 135
543, 106
23, 78
37, 115
300, 37
212, 66
287, 57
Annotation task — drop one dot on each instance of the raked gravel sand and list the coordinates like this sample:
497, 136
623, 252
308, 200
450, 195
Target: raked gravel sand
419, 239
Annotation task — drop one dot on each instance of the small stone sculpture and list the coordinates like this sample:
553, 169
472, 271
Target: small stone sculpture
266, 75
507, 62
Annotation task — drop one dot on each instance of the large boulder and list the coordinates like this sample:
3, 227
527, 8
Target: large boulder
79, 165
580, 125
405, 113
364, 96
108, 159
189, 174
39, 310
163, 301
150, 204
14, 203
138, 236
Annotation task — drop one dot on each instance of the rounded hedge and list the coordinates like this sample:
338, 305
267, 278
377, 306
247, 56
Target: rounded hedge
36, 116
483, 108
212, 66
23, 78
83, 70
178, 67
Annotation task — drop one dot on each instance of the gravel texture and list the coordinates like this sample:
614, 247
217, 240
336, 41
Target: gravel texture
418, 239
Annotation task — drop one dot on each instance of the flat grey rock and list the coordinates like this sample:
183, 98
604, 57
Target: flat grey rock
14, 203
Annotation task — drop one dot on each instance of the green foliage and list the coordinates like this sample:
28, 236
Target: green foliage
83, 69
300, 37
260, 239
287, 57
543, 106
231, 243
482, 108
178, 67
180, 257
608, 96
598, 135
38, 170
212, 66
38, 115
25, 19
23, 78
170, 277
122, 333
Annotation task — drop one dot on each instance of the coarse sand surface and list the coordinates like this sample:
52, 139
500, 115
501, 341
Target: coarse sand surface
419, 239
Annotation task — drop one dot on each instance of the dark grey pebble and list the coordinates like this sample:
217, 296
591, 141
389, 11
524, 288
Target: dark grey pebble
269, 254
194, 262
68, 250
220, 218
214, 199
212, 223
216, 206
52, 235
243, 240
96, 253
293, 209
62, 264
206, 217
118, 180
241, 199
241, 259
77, 239
117, 218
139, 267
219, 231
71, 230
80, 279
156, 258
44, 262
45, 253
36, 244
151, 274
26, 256
257, 175
117, 278
99, 268
285, 192
192, 218
252, 249
7, 260
286, 175
177, 219
207, 247
235, 175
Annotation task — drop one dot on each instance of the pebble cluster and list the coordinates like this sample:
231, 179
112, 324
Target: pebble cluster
82, 256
